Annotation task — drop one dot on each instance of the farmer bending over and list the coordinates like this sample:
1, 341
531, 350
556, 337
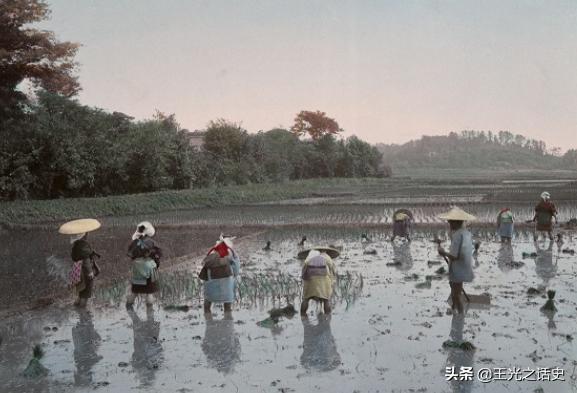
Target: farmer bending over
319, 275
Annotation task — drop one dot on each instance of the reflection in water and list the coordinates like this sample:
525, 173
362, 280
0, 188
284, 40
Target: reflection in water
319, 347
86, 342
505, 257
544, 266
147, 355
221, 344
460, 359
550, 319
402, 253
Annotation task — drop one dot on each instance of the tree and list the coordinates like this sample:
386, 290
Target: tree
32, 55
227, 151
315, 124
224, 139
570, 158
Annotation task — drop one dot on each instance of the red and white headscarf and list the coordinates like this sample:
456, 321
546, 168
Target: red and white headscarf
224, 246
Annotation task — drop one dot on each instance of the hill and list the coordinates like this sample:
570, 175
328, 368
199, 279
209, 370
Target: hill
476, 150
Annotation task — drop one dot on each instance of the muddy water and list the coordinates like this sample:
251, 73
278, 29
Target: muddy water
385, 334
35, 263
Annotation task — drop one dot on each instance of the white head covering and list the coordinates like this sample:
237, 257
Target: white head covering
148, 230
227, 240
78, 236
313, 253
545, 196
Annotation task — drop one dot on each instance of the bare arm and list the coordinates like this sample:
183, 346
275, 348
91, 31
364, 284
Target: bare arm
446, 254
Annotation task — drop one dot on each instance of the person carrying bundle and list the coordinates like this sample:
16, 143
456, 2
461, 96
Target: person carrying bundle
460, 255
319, 275
220, 271
145, 257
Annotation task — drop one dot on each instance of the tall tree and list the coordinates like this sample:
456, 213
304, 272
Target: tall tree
315, 124
32, 55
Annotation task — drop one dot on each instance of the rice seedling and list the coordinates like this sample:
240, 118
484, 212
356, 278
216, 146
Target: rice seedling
253, 289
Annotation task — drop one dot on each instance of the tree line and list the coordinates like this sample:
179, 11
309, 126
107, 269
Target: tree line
60, 148
51, 146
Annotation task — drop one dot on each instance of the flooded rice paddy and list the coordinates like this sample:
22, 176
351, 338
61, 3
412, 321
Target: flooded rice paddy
354, 212
386, 332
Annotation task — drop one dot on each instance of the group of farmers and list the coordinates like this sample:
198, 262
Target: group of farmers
221, 266
544, 219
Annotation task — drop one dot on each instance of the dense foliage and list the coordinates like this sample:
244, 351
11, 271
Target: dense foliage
31, 55
477, 149
60, 148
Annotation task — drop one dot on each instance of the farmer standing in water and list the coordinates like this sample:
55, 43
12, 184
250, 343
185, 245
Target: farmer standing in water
545, 212
84, 270
460, 255
145, 256
221, 272
505, 225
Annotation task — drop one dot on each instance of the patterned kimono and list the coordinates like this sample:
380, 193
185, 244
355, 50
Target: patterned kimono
82, 251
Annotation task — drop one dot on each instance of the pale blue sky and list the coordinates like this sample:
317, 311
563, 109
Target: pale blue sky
387, 71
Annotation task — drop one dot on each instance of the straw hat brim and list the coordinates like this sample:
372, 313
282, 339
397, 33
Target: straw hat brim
456, 214
77, 227
331, 252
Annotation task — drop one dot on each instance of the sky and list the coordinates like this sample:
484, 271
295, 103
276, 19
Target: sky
387, 71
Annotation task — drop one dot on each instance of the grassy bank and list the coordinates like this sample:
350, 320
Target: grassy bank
29, 212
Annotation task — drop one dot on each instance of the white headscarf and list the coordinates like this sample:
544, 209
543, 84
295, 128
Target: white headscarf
312, 254
148, 230
545, 196
78, 236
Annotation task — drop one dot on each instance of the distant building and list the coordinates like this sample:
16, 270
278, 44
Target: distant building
196, 138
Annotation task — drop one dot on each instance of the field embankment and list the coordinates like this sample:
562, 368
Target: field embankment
37, 211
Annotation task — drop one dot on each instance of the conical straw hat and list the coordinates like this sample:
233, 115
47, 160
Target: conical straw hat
457, 214
77, 227
331, 252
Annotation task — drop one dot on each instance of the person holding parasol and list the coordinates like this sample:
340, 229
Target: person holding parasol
84, 268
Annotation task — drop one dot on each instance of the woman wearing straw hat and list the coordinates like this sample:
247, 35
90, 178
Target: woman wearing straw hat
402, 219
220, 271
545, 211
318, 274
146, 260
460, 255
84, 269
